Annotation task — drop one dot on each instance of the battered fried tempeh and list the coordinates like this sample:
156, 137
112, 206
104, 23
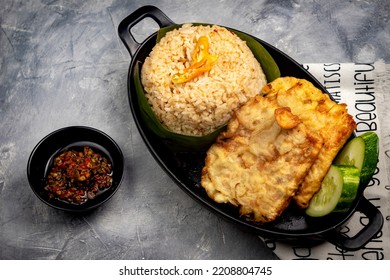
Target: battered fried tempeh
319, 113
260, 160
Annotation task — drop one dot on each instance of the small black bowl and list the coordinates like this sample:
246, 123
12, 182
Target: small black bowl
74, 137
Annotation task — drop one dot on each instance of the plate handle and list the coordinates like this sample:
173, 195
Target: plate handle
365, 234
124, 28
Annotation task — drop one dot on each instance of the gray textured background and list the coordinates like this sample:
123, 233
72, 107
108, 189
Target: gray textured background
62, 63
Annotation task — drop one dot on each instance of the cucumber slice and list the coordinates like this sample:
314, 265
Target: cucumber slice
371, 157
338, 190
352, 153
362, 152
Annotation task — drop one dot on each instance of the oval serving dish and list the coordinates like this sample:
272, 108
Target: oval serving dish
185, 166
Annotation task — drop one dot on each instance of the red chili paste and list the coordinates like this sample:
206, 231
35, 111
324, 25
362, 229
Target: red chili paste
78, 176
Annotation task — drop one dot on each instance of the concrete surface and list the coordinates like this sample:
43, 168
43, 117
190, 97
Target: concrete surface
62, 63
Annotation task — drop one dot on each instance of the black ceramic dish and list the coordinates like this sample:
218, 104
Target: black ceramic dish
74, 137
185, 167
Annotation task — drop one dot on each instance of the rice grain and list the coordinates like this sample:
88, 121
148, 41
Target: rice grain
203, 104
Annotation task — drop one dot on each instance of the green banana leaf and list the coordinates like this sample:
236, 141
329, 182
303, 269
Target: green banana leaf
181, 142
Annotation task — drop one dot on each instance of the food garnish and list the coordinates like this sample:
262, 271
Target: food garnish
202, 62
353, 167
362, 152
77, 176
338, 191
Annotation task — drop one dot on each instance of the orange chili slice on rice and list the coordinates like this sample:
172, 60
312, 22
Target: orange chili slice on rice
202, 62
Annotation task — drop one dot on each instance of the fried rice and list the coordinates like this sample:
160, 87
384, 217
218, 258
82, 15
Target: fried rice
203, 104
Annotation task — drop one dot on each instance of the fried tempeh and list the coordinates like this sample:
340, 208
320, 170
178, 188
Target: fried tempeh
322, 115
258, 163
